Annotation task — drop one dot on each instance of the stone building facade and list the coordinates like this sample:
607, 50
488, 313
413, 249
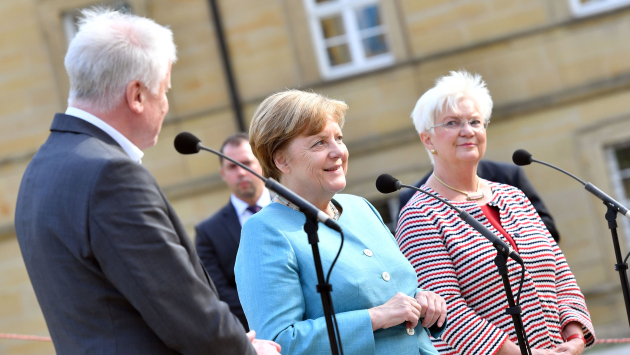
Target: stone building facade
558, 71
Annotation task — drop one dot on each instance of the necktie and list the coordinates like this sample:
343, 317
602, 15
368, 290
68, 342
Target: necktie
254, 209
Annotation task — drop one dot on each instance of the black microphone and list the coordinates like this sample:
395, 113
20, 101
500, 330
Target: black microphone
386, 183
188, 143
522, 157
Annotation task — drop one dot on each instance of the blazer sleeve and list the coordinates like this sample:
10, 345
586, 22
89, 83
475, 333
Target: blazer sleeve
208, 255
269, 286
467, 332
138, 249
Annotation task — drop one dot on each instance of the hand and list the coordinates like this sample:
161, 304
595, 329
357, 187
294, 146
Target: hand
263, 347
400, 308
433, 308
509, 348
571, 347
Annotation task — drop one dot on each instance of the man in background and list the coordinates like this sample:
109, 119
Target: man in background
110, 262
218, 237
503, 173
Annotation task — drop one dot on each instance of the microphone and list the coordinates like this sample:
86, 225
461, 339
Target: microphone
188, 143
386, 183
522, 157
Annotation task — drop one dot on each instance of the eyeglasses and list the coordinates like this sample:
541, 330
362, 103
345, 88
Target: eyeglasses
457, 125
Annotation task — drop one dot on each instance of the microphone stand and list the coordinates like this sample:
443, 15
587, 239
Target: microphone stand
513, 310
323, 287
620, 266
500, 261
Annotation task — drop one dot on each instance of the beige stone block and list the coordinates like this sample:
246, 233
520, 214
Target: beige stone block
212, 130
164, 162
505, 23
16, 14
11, 304
16, 36
417, 7
461, 13
426, 43
259, 45
300, 39
28, 348
11, 62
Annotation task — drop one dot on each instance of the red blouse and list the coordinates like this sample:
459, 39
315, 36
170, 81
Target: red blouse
492, 214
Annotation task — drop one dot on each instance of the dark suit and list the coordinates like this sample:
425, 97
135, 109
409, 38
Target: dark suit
217, 242
112, 267
504, 173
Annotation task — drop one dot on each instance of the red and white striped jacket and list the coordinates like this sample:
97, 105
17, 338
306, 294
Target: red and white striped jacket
453, 260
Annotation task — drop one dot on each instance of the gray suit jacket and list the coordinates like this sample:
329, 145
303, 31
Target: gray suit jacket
112, 267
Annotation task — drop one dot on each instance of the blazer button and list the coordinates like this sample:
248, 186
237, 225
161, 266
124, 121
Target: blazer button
411, 331
368, 252
386, 276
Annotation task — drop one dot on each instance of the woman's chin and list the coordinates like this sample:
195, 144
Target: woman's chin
335, 187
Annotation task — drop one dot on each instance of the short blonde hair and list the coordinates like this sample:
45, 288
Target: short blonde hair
286, 115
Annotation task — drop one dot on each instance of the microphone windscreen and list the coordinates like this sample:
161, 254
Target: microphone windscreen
386, 183
522, 157
187, 143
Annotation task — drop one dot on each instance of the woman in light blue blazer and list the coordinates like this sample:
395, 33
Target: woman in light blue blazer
297, 138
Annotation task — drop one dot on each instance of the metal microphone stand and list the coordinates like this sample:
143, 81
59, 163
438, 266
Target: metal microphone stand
515, 311
620, 266
323, 288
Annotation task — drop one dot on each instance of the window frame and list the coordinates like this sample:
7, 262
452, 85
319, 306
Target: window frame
596, 7
616, 179
360, 63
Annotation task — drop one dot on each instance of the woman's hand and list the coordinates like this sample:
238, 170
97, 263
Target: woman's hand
400, 308
433, 308
263, 347
571, 347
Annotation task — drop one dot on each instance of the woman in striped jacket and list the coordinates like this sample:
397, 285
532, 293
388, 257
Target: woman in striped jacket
453, 260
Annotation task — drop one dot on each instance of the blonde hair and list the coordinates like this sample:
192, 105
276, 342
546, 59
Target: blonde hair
286, 115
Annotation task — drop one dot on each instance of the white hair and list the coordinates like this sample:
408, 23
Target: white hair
448, 91
110, 50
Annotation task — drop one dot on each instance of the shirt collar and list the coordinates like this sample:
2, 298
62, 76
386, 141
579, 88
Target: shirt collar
240, 206
132, 151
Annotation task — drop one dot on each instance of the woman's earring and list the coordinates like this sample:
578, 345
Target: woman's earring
433, 152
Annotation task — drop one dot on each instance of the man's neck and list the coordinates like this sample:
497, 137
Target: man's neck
118, 118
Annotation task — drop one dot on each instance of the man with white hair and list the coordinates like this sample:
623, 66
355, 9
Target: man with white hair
112, 267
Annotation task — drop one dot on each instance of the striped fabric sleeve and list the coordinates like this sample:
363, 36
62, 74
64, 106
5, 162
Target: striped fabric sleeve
571, 302
423, 246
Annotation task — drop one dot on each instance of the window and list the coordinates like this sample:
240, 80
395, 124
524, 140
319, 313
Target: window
70, 18
349, 36
619, 161
582, 8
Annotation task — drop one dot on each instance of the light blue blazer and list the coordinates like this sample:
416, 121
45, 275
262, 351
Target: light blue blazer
275, 277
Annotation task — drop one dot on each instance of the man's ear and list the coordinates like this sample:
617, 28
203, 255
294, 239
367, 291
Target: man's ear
281, 162
135, 94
